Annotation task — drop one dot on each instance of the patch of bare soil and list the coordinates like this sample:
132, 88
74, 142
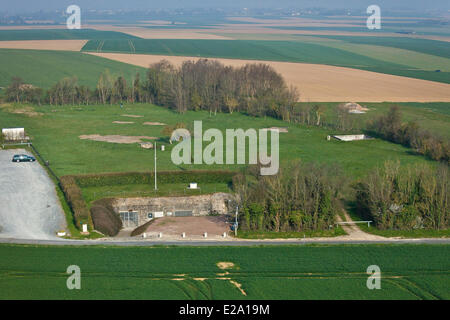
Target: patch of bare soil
225, 265
239, 286
192, 226
131, 116
323, 83
28, 111
65, 45
123, 122
154, 124
116, 138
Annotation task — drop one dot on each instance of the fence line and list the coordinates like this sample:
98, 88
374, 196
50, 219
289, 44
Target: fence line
47, 164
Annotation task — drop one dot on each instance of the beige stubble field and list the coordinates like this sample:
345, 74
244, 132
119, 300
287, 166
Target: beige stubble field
322, 83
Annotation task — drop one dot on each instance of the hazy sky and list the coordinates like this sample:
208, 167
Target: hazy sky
36, 5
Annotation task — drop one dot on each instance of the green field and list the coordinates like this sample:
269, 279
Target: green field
416, 58
280, 272
56, 135
61, 34
45, 68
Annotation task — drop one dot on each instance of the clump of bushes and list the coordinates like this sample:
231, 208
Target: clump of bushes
74, 197
390, 127
104, 218
301, 197
413, 198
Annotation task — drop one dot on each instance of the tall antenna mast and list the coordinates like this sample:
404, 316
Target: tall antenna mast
156, 186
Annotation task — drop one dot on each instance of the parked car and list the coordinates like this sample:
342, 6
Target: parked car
23, 158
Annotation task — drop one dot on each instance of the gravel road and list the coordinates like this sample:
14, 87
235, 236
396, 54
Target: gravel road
29, 206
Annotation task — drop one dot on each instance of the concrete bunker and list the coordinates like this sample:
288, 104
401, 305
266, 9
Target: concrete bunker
352, 137
135, 212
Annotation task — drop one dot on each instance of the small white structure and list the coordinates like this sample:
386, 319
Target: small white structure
146, 145
163, 147
160, 235
224, 234
353, 107
179, 135
158, 214
61, 233
205, 234
183, 235
85, 228
193, 185
352, 137
14, 134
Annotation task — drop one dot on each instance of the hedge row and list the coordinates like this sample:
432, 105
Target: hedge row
74, 198
104, 218
122, 178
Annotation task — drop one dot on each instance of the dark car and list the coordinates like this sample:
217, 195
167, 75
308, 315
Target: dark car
23, 158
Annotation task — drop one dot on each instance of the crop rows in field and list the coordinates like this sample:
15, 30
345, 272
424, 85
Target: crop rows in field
295, 272
316, 52
61, 34
45, 68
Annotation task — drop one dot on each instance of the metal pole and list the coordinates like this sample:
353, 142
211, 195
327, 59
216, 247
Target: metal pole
156, 186
236, 222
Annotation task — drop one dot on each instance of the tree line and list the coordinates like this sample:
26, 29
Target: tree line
391, 127
415, 197
256, 89
301, 197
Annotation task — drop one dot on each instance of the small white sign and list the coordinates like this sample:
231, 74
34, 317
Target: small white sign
193, 185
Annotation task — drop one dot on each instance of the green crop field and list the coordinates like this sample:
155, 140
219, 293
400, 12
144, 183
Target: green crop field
279, 272
55, 132
45, 68
416, 58
61, 34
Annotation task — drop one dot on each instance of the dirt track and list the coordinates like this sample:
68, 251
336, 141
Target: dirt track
324, 83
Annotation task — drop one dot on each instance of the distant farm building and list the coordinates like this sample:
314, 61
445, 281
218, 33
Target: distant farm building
352, 137
353, 107
14, 134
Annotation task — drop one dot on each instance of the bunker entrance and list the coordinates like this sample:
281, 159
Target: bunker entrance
184, 213
129, 219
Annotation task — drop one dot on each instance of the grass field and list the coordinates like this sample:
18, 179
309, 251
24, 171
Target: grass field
416, 58
281, 272
144, 190
45, 68
56, 134
434, 117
